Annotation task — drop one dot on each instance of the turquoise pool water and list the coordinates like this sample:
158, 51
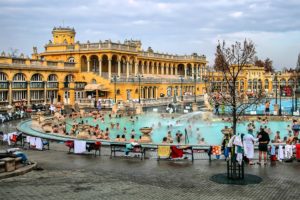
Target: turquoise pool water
286, 107
210, 131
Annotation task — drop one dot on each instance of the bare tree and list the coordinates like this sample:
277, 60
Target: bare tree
268, 65
233, 60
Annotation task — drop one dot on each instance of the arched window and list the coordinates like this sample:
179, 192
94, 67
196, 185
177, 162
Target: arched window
19, 77
3, 76
169, 91
52, 82
249, 84
291, 82
37, 77
259, 86
52, 78
266, 84
282, 82
69, 78
71, 59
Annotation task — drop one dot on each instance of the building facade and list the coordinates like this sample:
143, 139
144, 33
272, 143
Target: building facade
69, 72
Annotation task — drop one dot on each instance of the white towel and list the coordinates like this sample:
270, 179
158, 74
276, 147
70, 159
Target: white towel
280, 153
32, 141
5, 137
288, 151
28, 139
79, 146
38, 143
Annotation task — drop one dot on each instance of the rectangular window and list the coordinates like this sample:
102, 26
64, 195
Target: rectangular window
3, 96
19, 95
37, 95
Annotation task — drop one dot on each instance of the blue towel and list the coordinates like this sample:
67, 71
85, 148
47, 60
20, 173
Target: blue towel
226, 152
21, 155
273, 150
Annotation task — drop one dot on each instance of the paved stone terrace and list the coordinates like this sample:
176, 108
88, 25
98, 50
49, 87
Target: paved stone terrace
69, 176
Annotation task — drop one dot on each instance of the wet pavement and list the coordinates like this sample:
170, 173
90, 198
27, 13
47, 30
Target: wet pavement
69, 176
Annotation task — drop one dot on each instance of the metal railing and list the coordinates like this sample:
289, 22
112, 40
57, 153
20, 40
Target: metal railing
106, 46
154, 80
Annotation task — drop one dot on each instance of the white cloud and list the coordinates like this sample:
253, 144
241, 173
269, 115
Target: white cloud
236, 14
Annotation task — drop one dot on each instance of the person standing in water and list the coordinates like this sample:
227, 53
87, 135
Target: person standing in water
267, 108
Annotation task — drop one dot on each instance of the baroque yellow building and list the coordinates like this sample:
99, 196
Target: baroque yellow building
253, 79
69, 72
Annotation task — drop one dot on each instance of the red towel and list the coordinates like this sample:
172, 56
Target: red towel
176, 153
69, 144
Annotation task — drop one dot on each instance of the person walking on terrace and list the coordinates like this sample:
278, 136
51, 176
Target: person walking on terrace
263, 139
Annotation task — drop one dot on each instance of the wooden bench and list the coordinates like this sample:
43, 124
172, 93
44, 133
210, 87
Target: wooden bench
94, 147
89, 146
45, 142
188, 150
207, 150
119, 147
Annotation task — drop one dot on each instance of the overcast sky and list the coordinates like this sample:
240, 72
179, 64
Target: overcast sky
173, 26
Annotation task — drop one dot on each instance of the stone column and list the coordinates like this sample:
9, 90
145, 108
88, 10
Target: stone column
146, 93
162, 70
10, 97
152, 69
72, 93
176, 69
88, 65
143, 68
45, 92
109, 68
100, 67
28, 93
148, 68
193, 69
185, 69
119, 68
127, 69
136, 68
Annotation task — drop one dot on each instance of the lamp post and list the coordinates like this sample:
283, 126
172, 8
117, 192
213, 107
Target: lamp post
276, 85
114, 79
279, 100
139, 77
296, 106
293, 93
195, 74
181, 82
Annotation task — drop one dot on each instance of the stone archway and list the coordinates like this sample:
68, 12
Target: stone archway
94, 63
83, 64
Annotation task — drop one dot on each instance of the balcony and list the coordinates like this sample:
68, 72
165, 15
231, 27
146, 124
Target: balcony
52, 85
19, 85
66, 84
80, 85
4, 85
37, 85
